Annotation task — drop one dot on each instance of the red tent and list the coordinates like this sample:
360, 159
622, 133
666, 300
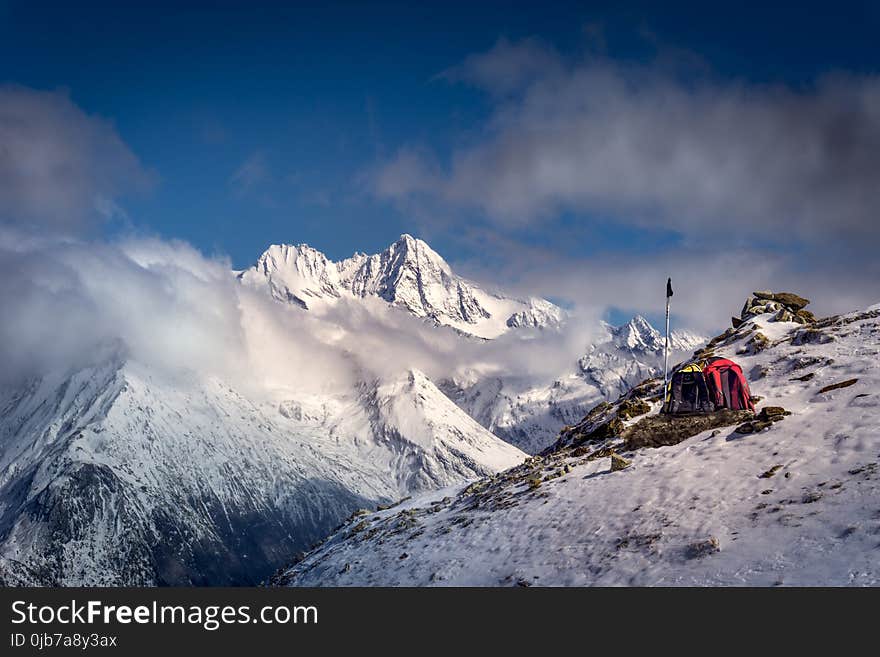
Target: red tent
727, 384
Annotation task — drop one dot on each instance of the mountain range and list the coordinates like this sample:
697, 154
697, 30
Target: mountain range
409, 275
117, 475
122, 473
524, 410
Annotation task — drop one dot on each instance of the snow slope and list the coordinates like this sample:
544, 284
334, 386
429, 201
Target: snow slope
795, 504
115, 475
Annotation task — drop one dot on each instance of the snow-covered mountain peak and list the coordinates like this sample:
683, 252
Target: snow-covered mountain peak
296, 273
197, 481
632, 353
300, 256
409, 275
415, 250
413, 408
638, 335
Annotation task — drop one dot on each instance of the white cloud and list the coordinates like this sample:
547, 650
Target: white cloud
69, 303
252, 173
710, 283
508, 67
60, 167
752, 186
644, 145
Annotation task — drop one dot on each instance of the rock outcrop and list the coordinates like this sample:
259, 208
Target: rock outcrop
607, 427
666, 430
785, 306
764, 419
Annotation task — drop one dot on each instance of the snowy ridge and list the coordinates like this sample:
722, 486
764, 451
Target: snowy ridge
794, 504
409, 274
638, 336
529, 413
296, 274
115, 476
632, 353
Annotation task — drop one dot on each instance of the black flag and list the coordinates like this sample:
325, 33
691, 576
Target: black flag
668, 287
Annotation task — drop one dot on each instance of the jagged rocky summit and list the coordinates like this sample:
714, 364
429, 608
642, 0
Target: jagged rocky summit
409, 274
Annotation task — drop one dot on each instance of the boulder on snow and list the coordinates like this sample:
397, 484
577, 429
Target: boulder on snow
770, 472
837, 386
632, 408
718, 341
704, 548
618, 462
755, 344
764, 419
785, 307
610, 429
804, 316
786, 298
810, 335
752, 426
605, 420
784, 315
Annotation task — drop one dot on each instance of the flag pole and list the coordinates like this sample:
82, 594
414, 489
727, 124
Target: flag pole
666, 347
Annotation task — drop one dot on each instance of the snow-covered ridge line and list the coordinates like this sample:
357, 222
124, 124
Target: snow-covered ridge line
114, 476
412, 277
409, 274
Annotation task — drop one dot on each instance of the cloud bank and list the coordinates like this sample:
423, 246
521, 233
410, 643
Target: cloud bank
69, 304
707, 158
71, 301
756, 186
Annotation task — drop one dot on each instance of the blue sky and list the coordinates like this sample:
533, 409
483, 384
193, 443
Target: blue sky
264, 122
